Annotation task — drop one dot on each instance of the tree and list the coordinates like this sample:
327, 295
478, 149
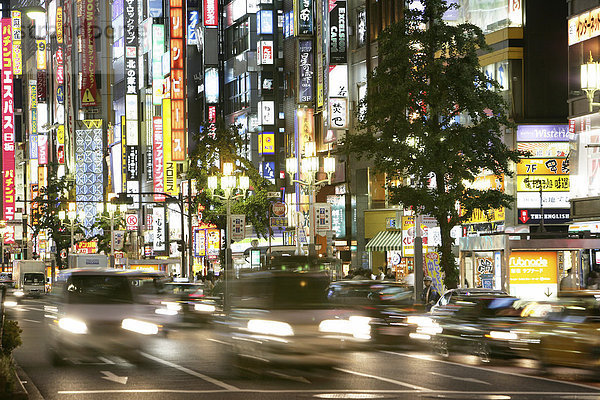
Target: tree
103, 224
428, 74
226, 144
51, 199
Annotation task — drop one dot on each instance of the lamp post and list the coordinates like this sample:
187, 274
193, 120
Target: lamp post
309, 167
233, 187
72, 216
590, 80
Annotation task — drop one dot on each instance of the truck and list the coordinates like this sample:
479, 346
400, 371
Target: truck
88, 261
29, 277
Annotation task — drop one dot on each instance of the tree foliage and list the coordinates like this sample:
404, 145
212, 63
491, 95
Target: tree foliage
227, 145
103, 222
428, 75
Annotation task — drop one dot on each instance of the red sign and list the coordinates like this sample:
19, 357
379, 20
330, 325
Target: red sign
8, 124
158, 159
178, 117
60, 153
212, 120
9, 235
211, 13
90, 247
89, 90
524, 216
132, 222
279, 209
43, 149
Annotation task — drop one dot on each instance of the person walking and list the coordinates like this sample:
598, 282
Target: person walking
429, 296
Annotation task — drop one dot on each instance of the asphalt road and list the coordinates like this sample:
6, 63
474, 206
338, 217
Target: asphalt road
190, 364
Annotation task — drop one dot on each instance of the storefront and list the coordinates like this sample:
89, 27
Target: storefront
530, 268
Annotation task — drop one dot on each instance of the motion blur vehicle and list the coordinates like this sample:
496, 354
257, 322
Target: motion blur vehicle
97, 311
481, 326
191, 300
387, 303
283, 319
568, 333
447, 302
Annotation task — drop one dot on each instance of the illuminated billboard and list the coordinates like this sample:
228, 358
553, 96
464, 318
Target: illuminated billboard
8, 128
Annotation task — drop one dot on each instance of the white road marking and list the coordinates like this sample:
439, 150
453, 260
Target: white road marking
460, 379
383, 379
492, 370
106, 360
109, 376
444, 392
31, 320
192, 372
217, 341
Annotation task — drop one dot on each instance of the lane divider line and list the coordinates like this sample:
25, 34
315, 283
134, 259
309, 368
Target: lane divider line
383, 379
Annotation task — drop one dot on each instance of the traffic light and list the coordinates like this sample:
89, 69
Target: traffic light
180, 246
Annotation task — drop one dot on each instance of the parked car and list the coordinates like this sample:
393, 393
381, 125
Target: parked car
282, 319
98, 311
387, 303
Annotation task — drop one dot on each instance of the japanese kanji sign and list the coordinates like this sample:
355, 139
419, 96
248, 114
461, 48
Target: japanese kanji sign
8, 128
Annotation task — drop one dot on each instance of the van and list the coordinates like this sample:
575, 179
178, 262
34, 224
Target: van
98, 312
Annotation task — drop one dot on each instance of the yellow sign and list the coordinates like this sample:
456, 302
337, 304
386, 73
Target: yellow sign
41, 54
543, 166
483, 216
584, 26
60, 134
533, 267
266, 143
17, 53
488, 182
545, 183
59, 24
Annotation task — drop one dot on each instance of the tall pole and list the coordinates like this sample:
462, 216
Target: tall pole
312, 249
112, 239
72, 245
418, 264
183, 263
190, 232
227, 252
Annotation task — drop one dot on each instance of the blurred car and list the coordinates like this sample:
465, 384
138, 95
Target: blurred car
480, 325
387, 303
447, 302
191, 300
567, 333
97, 311
283, 319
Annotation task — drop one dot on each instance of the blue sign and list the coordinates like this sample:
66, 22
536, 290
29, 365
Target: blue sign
268, 169
543, 133
60, 94
193, 19
264, 20
33, 146
155, 8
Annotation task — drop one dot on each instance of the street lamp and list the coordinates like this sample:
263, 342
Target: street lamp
233, 187
590, 80
309, 167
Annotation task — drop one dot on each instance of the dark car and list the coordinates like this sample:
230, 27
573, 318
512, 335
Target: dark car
387, 303
447, 302
282, 319
481, 326
190, 301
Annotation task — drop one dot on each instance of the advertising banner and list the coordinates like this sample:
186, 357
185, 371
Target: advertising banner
322, 218
527, 267
131, 71
8, 127
210, 10
266, 143
42, 89
265, 51
159, 229
543, 133
89, 186
60, 68
305, 71
483, 216
484, 272
178, 81
303, 11
40, 54
549, 200
199, 242
89, 90
158, 175
169, 169
545, 149
338, 112
42, 149
266, 112
213, 243
33, 107
59, 25
17, 52
432, 263
584, 26
337, 32
338, 81
132, 166
551, 215
543, 166
545, 183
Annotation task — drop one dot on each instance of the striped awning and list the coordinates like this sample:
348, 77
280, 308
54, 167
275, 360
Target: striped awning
385, 241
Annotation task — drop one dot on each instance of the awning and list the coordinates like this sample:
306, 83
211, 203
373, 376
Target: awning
385, 241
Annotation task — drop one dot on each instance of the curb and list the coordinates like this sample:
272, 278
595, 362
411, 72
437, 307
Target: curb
27, 389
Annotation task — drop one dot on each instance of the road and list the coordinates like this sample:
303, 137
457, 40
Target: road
190, 364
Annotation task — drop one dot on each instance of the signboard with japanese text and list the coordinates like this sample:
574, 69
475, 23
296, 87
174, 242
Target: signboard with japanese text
159, 229
584, 26
545, 183
549, 199
42, 149
483, 216
266, 112
338, 80
543, 166
265, 51
89, 187
60, 69
545, 149
130, 16
210, 12
158, 175
8, 128
178, 24
169, 169
484, 272
213, 243
132, 163
17, 52
303, 12
533, 274
338, 112
59, 25
337, 32
322, 218
434, 270
199, 242
89, 88
305, 71
193, 19
266, 143
40, 54
550, 215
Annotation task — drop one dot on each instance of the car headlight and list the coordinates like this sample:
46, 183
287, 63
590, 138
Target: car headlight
503, 335
266, 327
357, 326
204, 308
10, 303
141, 327
418, 320
73, 325
165, 311
171, 305
19, 293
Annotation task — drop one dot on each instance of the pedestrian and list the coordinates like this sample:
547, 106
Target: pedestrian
381, 274
389, 275
429, 296
568, 281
